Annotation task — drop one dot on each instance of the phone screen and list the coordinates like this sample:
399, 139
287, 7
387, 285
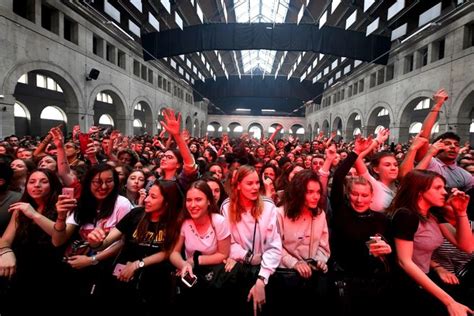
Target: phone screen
83, 141
189, 280
69, 192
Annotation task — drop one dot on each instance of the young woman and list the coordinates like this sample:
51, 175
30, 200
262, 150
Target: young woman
417, 234
100, 205
205, 237
385, 167
26, 245
135, 188
48, 162
142, 269
360, 267
217, 189
305, 238
255, 238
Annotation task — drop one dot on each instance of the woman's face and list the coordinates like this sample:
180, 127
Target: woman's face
48, 162
436, 194
3, 150
217, 171
102, 185
121, 174
360, 197
387, 169
249, 187
169, 161
38, 186
270, 173
19, 167
196, 203
154, 200
193, 148
216, 190
313, 194
135, 181
70, 149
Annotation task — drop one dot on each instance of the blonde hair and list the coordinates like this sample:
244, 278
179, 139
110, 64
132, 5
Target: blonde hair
235, 207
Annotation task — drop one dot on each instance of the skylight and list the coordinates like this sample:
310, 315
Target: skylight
260, 11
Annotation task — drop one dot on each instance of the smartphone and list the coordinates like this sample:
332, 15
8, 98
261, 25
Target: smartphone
83, 141
373, 240
118, 269
69, 192
188, 279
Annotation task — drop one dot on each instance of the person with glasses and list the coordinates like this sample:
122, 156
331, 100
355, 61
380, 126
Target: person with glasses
99, 205
177, 164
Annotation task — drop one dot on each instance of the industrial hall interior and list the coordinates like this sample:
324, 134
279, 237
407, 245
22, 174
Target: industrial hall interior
236, 66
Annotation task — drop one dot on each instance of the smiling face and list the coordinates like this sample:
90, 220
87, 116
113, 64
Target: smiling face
196, 203
102, 185
387, 169
38, 186
249, 187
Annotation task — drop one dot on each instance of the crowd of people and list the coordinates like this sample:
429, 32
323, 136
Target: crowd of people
101, 222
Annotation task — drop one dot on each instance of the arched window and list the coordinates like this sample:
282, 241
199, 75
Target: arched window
106, 119
471, 128
415, 128
136, 123
19, 111
422, 105
53, 113
220, 129
238, 129
435, 128
138, 107
104, 97
271, 130
256, 131
383, 112
211, 128
357, 118
300, 131
356, 131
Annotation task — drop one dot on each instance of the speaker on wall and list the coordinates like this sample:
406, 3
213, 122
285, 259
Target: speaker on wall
93, 74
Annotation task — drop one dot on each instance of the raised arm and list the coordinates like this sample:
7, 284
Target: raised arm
64, 171
275, 133
439, 98
172, 126
409, 162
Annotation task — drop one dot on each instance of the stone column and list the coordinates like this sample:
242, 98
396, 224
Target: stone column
7, 117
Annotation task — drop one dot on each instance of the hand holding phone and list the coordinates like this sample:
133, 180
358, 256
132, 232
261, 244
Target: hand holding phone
188, 279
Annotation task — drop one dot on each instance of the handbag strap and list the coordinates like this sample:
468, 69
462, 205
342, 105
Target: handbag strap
254, 233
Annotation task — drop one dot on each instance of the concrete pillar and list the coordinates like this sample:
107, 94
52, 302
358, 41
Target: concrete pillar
124, 124
7, 118
7, 5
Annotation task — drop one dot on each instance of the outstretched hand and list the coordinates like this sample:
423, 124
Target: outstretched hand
171, 123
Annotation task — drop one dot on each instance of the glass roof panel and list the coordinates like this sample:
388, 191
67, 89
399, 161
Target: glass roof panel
260, 11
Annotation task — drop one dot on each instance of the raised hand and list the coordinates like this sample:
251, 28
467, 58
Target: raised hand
93, 130
418, 141
459, 201
436, 147
64, 205
382, 136
171, 124
440, 96
76, 130
331, 152
57, 136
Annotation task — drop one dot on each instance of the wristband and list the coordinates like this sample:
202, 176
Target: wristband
263, 279
1, 254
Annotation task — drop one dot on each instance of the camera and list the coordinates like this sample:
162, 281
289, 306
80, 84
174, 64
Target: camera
188, 279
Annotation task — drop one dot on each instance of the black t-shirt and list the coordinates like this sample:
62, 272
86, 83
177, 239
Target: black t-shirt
134, 250
404, 224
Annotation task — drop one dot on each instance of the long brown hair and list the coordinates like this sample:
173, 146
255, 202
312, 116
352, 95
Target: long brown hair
295, 194
414, 183
235, 207
171, 197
